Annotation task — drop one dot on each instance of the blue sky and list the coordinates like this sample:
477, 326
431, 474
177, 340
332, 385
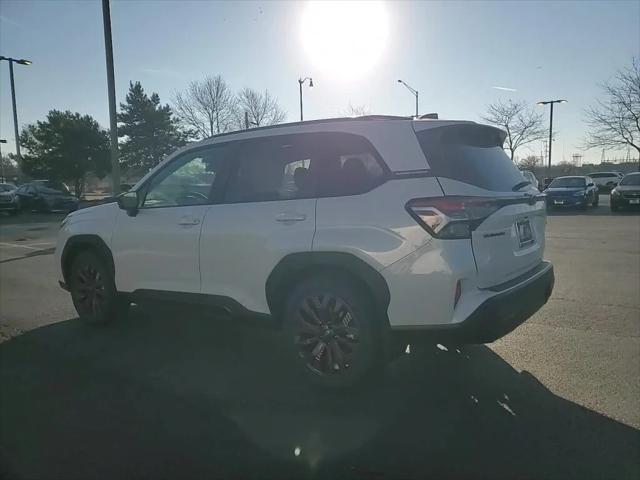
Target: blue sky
452, 52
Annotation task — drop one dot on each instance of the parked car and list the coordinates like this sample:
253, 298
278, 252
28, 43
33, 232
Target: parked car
355, 236
627, 193
531, 177
575, 191
46, 196
9, 201
605, 181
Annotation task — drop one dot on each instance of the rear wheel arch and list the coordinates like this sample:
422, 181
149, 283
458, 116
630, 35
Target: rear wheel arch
297, 266
83, 243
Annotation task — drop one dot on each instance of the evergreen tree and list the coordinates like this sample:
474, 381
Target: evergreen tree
65, 146
149, 129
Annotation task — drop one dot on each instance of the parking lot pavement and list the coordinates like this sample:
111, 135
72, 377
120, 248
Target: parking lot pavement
165, 394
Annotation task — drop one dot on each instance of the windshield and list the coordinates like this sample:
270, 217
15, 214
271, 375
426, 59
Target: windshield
631, 180
5, 187
569, 182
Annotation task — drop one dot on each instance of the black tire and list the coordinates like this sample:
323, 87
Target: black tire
334, 317
614, 207
596, 200
93, 290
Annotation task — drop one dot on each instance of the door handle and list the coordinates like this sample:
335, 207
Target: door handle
291, 217
188, 221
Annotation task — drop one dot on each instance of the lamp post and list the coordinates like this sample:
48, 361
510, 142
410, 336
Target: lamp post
2, 162
111, 92
412, 90
11, 61
300, 83
550, 102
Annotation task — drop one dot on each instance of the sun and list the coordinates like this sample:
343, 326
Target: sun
344, 39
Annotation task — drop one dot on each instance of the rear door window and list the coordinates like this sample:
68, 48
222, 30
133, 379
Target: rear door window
304, 166
472, 154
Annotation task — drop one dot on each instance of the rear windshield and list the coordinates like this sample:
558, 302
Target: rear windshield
471, 154
568, 182
631, 180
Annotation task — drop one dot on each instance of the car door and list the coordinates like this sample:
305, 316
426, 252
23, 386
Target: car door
267, 213
26, 194
157, 248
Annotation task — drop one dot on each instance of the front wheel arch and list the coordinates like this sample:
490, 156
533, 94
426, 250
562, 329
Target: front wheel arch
81, 243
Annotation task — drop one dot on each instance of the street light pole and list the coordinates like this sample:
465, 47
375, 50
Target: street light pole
412, 90
2, 162
300, 83
113, 122
11, 61
550, 102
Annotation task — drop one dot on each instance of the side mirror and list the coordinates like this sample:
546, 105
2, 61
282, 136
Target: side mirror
129, 201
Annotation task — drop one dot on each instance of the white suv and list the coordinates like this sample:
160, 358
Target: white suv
606, 180
355, 235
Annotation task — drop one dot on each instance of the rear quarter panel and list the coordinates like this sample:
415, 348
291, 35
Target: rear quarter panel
374, 226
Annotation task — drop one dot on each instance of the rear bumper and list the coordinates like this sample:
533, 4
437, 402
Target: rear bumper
496, 316
625, 202
566, 201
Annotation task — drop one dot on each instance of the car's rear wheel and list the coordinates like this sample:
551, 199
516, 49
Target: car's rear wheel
614, 207
331, 331
93, 290
596, 200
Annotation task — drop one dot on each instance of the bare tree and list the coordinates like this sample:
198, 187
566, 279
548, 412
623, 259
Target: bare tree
522, 124
355, 111
262, 109
614, 122
529, 162
206, 107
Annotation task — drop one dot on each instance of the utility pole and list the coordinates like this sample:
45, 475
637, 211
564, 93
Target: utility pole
113, 122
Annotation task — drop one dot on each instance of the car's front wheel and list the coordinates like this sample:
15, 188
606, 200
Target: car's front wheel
93, 290
331, 331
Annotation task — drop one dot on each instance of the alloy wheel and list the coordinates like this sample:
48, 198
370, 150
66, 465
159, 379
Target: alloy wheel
90, 290
327, 335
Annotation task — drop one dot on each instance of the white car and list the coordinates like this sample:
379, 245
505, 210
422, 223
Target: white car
355, 235
606, 180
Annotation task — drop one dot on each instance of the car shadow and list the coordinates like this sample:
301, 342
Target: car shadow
164, 394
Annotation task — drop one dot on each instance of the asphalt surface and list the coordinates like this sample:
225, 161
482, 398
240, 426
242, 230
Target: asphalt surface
164, 394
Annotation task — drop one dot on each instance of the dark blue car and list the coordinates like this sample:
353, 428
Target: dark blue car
575, 191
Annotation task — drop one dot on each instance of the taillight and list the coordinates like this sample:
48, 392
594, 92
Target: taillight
451, 217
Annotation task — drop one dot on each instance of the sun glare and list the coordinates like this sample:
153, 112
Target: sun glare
344, 39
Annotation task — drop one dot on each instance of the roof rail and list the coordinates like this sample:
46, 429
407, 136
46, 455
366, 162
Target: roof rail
311, 122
